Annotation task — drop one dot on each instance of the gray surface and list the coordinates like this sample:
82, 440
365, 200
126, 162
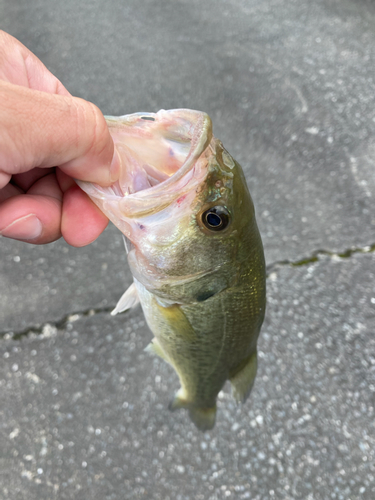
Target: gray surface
290, 88
40, 285
84, 409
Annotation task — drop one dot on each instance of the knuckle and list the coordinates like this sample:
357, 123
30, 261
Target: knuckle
100, 134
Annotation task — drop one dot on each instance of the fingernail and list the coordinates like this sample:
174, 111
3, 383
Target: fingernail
114, 172
25, 228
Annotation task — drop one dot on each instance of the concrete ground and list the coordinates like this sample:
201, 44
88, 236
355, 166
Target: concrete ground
290, 86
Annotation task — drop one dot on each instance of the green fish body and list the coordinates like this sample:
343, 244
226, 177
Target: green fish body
194, 250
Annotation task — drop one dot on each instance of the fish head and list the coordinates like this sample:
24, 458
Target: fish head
183, 203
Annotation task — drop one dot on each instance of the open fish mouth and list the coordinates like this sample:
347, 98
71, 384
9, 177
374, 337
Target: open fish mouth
162, 158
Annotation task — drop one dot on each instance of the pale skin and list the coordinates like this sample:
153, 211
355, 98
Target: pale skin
48, 138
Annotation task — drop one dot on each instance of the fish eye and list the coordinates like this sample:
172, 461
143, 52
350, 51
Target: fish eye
216, 218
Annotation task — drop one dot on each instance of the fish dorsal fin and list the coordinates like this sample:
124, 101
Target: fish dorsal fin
128, 300
243, 380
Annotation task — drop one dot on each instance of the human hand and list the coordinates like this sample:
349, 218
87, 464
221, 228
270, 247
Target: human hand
48, 138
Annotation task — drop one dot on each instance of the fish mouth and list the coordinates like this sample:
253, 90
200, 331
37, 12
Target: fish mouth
162, 158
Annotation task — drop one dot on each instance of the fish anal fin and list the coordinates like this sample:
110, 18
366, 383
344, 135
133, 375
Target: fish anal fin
128, 300
202, 418
155, 348
243, 380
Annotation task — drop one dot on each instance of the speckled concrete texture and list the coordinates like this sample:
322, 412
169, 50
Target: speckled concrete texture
290, 87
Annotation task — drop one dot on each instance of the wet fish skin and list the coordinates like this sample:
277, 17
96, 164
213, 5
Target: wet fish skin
202, 290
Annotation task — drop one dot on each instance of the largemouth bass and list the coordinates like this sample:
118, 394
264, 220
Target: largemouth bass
194, 251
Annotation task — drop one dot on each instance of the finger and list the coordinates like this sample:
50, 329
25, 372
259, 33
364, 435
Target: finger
64, 180
8, 191
27, 179
82, 221
31, 218
41, 130
20, 66
47, 186
4, 179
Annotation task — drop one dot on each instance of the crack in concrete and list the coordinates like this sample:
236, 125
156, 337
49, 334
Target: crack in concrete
315, 257
61, 323
74, 316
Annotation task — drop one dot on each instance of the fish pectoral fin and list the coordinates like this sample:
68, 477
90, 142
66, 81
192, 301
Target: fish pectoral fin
243, 380
155, 348
175, 316
202, 418
128, 300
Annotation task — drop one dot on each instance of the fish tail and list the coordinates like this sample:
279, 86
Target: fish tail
203, 418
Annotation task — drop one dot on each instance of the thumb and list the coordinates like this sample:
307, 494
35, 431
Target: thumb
38, 129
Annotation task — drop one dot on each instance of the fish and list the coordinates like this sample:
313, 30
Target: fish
194, 250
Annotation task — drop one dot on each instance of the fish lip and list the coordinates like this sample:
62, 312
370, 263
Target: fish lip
125, 209
158, 197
